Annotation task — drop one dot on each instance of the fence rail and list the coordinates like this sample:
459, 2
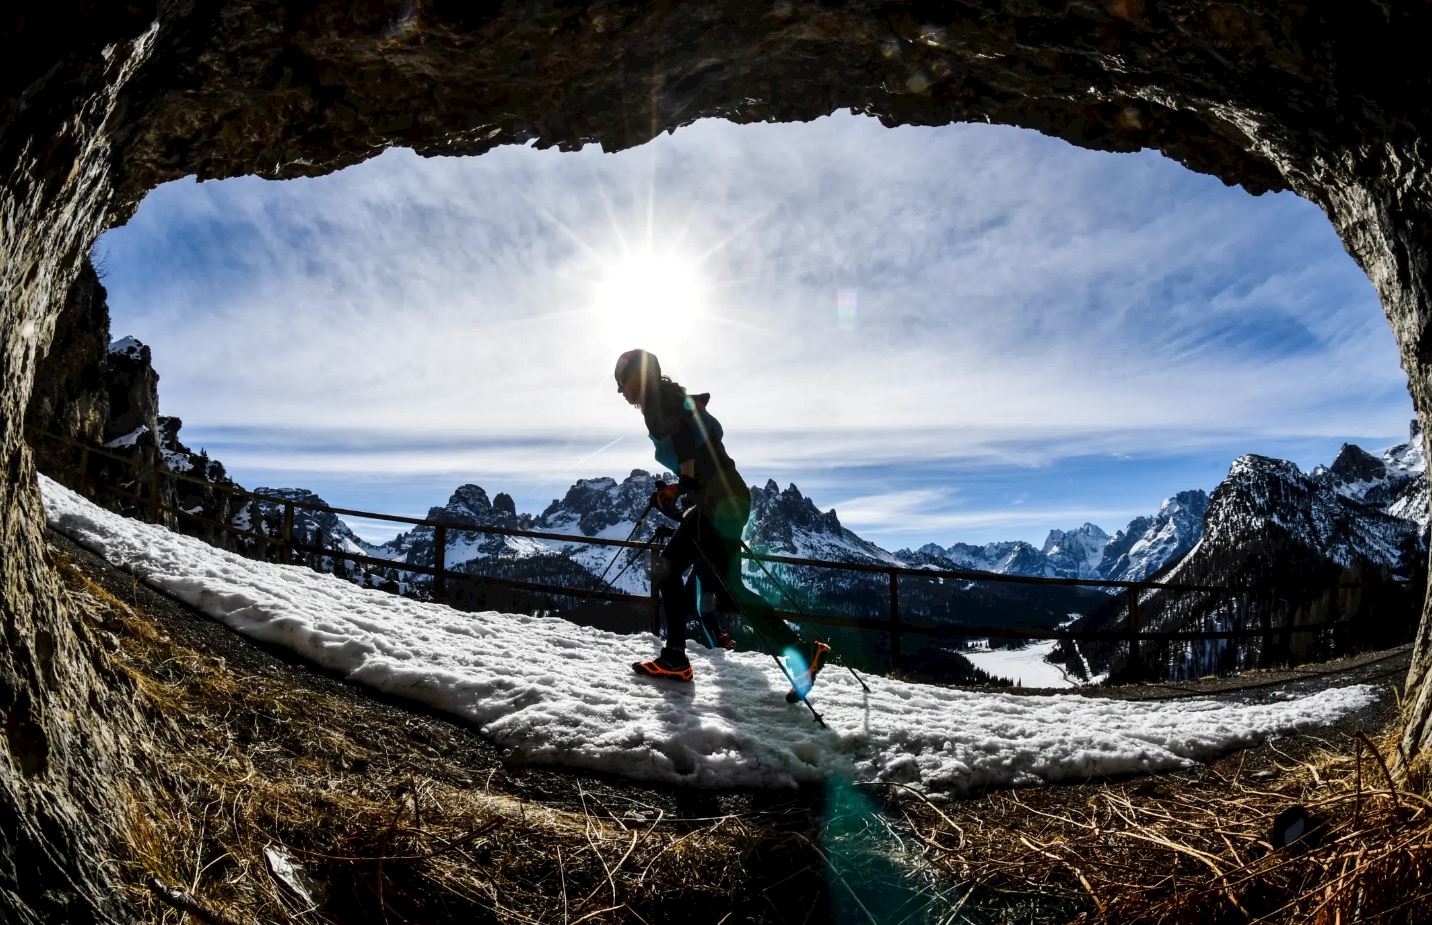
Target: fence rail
894, 626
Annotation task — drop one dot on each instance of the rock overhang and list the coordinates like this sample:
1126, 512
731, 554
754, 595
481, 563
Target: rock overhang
106, 101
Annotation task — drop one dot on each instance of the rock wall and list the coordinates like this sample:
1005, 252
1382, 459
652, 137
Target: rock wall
70, 394
105, 100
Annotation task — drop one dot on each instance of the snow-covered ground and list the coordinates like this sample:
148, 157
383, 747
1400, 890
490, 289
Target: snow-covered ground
562, 694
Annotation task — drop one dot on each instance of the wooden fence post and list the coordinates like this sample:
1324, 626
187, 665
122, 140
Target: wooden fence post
440, 563
1265, 620
1135, 667
895, 620
154, 493
286, 550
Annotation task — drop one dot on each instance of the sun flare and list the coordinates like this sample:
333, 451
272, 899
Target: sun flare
643, 293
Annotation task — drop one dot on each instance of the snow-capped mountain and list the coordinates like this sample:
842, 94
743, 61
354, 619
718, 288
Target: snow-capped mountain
468, 504
1013, 557
1139, 550
1147, 544
1319, 513
1074, 553
1303, 540
322, 529
600, 507
606, 508
783, 522
787, 523
1396, 482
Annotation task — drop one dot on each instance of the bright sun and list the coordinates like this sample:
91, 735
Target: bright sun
649, 292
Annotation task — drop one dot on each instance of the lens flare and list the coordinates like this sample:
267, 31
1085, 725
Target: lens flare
649, 292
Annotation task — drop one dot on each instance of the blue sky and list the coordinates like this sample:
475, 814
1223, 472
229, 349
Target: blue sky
965, 333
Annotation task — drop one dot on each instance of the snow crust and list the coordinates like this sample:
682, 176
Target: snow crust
557, 693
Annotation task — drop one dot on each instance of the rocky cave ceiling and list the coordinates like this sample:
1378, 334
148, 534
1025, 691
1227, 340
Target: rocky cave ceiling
105, 100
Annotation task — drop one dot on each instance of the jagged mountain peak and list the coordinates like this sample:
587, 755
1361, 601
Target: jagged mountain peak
1147, 544
1353, 463
1087, 531
470, 498
592, 506
1253, 466
790, 506
1344, 521
787, 522
1407, 458
1008, 557
291, 494
1193, 498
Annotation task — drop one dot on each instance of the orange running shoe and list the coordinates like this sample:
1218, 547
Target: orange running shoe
666, 667
806, 679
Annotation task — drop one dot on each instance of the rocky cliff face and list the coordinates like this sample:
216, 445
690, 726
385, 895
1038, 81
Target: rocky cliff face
71, 396
104, 101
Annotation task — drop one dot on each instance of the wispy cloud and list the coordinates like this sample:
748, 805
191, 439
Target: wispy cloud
954, 297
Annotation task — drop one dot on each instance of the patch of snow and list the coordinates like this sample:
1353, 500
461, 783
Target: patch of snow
177, 462
557, 693
129, 346
128, 439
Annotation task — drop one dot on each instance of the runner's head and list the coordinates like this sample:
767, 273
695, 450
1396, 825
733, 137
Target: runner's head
636, 371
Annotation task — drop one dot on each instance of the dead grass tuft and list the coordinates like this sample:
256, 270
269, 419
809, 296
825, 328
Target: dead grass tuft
1197, 847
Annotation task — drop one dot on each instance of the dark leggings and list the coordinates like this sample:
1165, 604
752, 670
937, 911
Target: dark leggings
698, 543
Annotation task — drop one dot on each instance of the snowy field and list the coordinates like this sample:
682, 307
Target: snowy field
1027, 665
556, 693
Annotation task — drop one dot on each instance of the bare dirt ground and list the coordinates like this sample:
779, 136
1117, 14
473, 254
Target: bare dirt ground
392, 813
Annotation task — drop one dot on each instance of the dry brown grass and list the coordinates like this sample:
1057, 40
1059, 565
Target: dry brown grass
1195, 847
391, 830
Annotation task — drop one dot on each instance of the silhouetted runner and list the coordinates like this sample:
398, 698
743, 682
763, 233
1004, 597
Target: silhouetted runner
717, 504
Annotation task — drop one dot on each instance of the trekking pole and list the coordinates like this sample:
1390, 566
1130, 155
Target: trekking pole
752, 624
616, 555
800, 610
659, 535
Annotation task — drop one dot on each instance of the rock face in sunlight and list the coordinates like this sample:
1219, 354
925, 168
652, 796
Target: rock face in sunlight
103, 101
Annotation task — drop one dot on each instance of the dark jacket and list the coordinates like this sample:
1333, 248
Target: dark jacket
681, 429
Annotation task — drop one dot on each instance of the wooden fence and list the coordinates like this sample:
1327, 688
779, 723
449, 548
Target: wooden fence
149, 494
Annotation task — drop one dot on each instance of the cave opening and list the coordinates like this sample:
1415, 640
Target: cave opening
106, 107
